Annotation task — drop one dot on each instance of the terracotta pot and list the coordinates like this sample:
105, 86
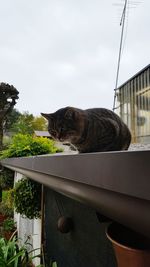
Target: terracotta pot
131, 249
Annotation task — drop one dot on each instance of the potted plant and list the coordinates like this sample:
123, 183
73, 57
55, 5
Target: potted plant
27, 198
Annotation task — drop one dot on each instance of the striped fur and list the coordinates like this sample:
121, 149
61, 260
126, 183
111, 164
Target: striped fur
90, 130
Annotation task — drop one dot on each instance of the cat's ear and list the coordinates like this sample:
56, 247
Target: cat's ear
70, 113
46, 116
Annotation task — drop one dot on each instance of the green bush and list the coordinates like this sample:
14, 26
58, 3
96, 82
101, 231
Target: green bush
6, 179
5, 210
8, 198
27, 193
6, 141
27, 145
27, 198
9, 225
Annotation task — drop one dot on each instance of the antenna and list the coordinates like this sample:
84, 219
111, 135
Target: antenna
127, 5
122, 23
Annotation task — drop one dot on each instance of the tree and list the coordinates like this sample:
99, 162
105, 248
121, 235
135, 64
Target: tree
39, 123
8, 97
11, 119
24, 124
27, 124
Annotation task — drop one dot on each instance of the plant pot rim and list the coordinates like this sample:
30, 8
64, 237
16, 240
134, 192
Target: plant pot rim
119, 244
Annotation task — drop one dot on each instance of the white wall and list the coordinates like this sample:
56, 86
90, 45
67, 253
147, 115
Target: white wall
28, 228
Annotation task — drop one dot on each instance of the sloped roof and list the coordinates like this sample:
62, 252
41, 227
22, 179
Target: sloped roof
138, 73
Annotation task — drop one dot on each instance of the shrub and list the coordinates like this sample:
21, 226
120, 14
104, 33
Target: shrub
6, 179
5, 210
8, 198
8, 225
27, 193
26, 145
27, 198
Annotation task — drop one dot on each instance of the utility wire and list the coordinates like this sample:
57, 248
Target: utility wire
122, 23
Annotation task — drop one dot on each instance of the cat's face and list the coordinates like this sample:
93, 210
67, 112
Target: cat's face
63, 124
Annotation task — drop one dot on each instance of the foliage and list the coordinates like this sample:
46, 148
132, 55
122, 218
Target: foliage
9, 198
5, 210
6, 141
53, 264
24, 124
27, 193
27, 198
8, 225
6, 179
27, 123
13, 254
11, 119
26, 145
8, 97
39, 123
4, 195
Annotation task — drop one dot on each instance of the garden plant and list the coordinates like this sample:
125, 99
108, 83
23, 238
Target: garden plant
25, 197
27, 193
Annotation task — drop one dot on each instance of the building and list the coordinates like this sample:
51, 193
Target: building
133, 105
42, 134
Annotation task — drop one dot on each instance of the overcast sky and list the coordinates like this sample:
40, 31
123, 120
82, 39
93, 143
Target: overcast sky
64, 52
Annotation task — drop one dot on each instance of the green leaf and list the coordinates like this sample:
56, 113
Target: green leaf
27, 145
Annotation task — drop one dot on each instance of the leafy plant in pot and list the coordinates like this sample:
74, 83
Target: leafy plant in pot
27, 198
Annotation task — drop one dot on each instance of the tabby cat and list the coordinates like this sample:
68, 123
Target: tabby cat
90, 130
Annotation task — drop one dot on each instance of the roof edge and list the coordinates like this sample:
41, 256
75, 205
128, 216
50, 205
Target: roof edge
139, 72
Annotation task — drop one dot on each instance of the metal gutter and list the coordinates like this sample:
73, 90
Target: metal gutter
117, 184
